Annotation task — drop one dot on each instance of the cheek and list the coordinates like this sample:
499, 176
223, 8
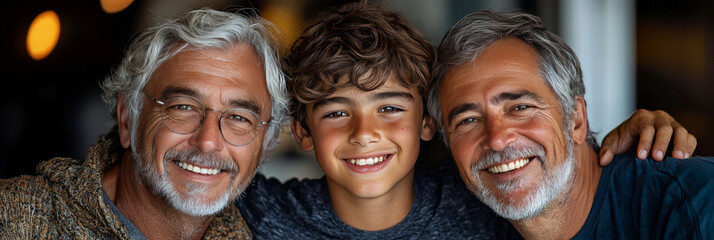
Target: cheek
328, 135
403, 130
406, 126
153, 136
247, 157
547, 131
463, 149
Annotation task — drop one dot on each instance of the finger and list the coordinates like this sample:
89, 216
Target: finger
647, 134
610, 141
606, 157
680, 142
691, 146
662, 138
619, 140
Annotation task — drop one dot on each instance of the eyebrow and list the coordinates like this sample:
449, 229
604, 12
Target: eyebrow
246, 104
172, 91
331, 100
374, 97
385, 95
509, 96
461, 109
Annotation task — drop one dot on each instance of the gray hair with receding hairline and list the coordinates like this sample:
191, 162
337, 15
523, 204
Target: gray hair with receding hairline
198, 29
559, 66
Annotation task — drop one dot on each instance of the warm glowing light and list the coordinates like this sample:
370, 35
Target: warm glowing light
43, 35
285, 15
114, 6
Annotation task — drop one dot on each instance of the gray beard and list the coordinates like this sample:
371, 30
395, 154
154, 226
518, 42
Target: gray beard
553, 183
191, 202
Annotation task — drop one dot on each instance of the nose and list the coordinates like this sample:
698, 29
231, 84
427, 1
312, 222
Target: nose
364, 130
499, 134
208, 137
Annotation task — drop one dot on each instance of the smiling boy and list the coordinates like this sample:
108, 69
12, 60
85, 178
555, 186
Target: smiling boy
358, 79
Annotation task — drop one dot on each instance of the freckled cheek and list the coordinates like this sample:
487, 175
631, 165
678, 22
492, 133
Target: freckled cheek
401, 128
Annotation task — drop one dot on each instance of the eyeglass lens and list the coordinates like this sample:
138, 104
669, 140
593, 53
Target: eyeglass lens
185, 115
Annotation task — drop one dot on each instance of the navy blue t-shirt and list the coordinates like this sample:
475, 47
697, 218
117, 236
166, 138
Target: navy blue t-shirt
443, 208
672, 199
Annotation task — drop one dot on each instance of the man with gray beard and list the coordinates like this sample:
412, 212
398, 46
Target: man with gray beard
196, 102
508, 96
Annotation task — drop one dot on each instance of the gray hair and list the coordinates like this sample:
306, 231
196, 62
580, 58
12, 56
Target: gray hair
559, 65
201, 29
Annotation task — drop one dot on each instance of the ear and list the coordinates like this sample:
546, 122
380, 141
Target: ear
580, 121
302, 136
123, 124
428, 128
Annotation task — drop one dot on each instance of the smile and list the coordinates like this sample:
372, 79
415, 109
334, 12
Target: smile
367, 161
197, 169
509, 166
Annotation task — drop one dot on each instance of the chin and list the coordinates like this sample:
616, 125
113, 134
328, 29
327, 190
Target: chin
369, 190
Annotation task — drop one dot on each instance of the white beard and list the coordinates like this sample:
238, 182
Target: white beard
553, 183
191, 202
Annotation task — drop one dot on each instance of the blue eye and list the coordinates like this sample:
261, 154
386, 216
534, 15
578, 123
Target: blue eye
465, 125
521, 107
335, 114
390, 109
466, 121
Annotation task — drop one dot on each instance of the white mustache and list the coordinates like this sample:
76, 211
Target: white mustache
210, 160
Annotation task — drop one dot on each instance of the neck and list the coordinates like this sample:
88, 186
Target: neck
566, 214
377, 213
153, 216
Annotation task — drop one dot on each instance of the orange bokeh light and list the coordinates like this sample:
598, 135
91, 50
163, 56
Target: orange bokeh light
114, 6
43, 35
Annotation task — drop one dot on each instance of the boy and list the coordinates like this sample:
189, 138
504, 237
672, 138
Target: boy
358, 78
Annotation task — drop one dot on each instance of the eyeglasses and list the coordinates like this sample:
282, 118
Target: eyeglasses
183, 115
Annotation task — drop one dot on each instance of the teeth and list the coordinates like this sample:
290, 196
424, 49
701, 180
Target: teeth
507, 167
367, 161
197, 169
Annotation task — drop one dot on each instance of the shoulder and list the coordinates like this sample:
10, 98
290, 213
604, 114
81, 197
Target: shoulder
668, 195
276, 209
451, 210
693, 171
228, 224
691, 176
262, 187
26, 204
24, 190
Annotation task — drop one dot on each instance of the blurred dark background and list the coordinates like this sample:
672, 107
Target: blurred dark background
52, 107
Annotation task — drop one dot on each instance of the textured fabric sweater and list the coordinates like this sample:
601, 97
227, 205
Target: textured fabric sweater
65, 201
443, 208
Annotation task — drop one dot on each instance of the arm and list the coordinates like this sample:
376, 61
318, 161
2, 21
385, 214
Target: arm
648, 125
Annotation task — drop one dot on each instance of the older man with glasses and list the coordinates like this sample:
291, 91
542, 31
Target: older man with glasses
197, 102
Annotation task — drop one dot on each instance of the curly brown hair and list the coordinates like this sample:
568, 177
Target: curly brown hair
359, 45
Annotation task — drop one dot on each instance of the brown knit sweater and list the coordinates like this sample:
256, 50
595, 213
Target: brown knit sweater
65, 201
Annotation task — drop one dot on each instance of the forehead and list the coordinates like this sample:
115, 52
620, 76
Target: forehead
506, 65
390, 85
232, 73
